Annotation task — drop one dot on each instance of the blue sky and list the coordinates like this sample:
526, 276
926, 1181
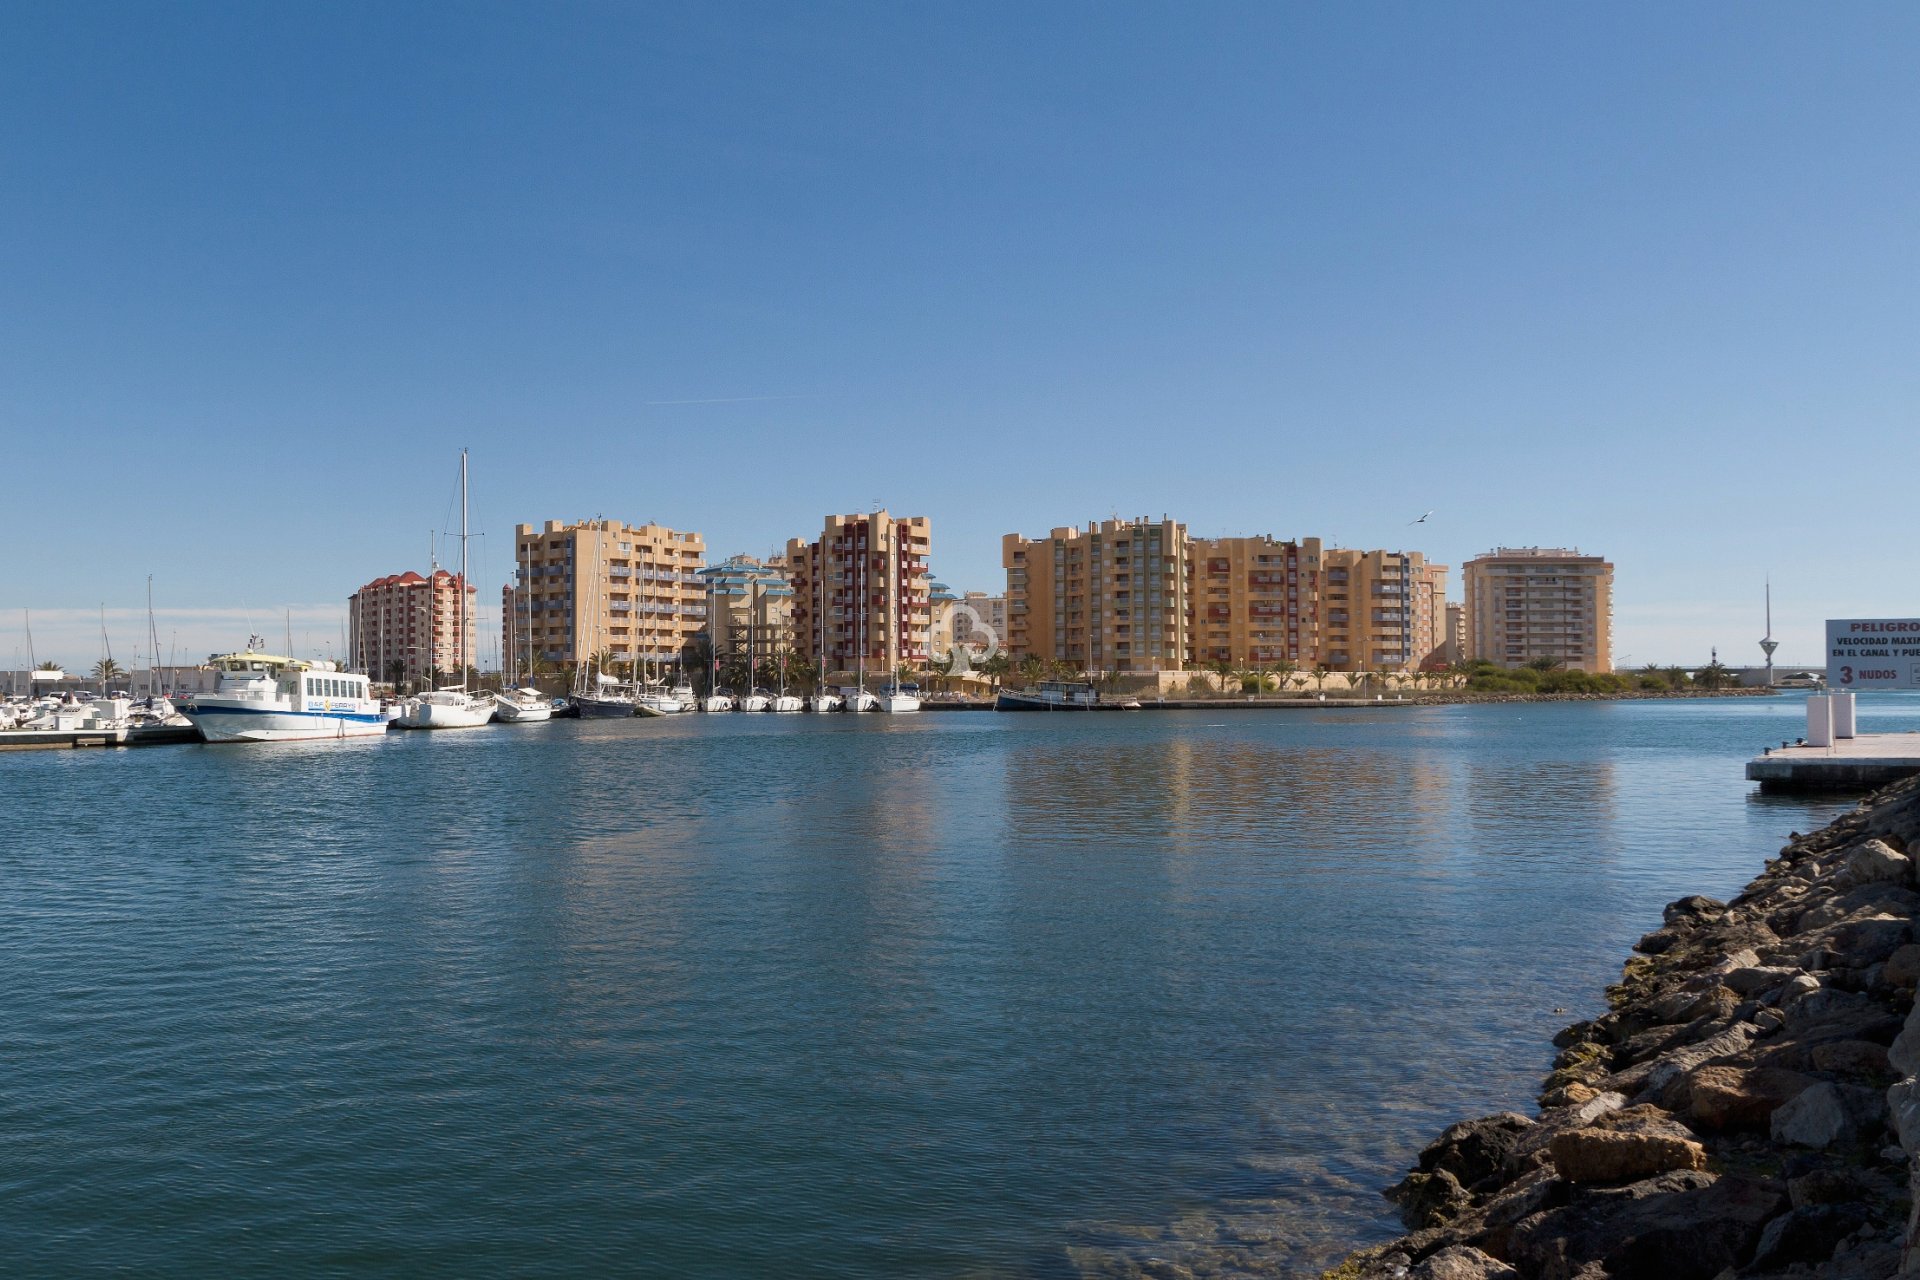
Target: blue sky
1635, 278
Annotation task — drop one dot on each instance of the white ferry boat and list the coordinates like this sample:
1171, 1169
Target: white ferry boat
262, 697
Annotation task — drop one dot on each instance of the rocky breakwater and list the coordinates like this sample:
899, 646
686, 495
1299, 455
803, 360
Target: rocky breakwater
1749, 1106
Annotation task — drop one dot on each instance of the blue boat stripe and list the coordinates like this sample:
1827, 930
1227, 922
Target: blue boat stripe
358, 717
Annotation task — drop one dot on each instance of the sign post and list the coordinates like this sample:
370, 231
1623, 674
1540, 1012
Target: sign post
1873, 653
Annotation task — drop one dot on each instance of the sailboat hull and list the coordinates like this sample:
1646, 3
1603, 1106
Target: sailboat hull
602, 708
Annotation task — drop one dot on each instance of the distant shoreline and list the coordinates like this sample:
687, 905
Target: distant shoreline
1347, 702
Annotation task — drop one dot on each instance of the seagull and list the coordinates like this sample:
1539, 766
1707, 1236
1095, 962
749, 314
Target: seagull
1421, 520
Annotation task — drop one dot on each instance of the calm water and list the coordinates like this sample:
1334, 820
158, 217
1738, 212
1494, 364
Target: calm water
954, 995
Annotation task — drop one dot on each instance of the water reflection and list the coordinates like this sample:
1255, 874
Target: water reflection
954, 996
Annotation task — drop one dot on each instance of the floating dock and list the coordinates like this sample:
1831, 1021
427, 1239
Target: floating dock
1851, 764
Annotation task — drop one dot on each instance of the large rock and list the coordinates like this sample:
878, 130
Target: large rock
1429, 1199
1850, 1058
1729, 1097
1903, 1107
1870, 940
1693, 910
1875, 860
1758, 978
1904, 1055
1679, 1226
1626, 1146
1903, 966
1462, 1262
1806, 1235
1735, 1039
1828, 1113
1475, 1149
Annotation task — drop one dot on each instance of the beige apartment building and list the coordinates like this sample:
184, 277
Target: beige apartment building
750, 608
861, 593
1381, 611
1111, 597
1455, 648
1527, 603
1138, 596
601, 585
1256, 601
403, 628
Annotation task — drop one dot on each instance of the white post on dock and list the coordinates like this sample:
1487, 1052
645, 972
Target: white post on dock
1820, 720
1842, 714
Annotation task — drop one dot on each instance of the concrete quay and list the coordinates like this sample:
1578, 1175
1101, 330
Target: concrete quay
1861, 763
55, 739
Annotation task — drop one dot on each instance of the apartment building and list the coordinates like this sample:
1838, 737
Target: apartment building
861, 592
980, 621
750, 608
405, 627
1455, 648
1527, 603
1381, 610
1256, 601
601, 585
941, 603
1111, 597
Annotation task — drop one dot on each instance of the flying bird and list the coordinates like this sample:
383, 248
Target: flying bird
1421, 520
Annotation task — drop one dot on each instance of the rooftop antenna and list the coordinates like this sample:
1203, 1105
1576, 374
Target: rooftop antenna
1769, 644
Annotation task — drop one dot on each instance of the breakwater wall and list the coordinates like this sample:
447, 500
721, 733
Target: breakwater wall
1749, 1105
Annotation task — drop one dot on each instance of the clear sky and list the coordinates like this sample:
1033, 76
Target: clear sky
1640, 279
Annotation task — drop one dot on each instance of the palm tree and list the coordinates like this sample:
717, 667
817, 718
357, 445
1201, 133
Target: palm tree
1715, 675
396, 672
995, 668
1320, 673
1224, 669
1284, 670
107, 670
1033, 668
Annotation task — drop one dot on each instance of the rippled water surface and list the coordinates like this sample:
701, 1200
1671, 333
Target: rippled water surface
948, 995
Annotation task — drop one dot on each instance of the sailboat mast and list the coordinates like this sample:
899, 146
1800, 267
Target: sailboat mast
153, 646
460, 641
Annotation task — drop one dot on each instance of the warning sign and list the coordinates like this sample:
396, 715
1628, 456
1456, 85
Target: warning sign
1873, 653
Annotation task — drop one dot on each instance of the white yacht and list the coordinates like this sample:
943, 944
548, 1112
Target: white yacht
452, 708
717, 702
655, 701
823, 702
900, 699
786, 704
445, 709
522, 706
756, 700
263, 697
858, 698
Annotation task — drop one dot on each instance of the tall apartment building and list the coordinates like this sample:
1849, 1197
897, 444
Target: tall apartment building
1381, 610
1256, 601
750, 608
601, 585
861, 593
1111, 597
404, 627
1524, 603
1455, 648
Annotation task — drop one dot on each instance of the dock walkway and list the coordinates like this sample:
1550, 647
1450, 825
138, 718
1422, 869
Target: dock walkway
1850, 764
